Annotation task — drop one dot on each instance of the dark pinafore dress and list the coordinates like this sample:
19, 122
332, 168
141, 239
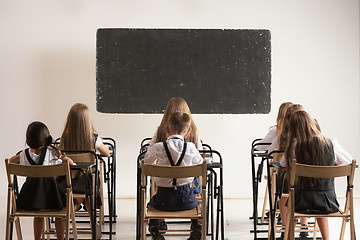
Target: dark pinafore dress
177, 198
40, 193
320, 198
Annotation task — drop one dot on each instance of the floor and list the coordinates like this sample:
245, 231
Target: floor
237, 222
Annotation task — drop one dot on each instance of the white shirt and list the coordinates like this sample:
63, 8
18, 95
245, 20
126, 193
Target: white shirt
267, 139
341, 156
51, 157
156, 155
153, 141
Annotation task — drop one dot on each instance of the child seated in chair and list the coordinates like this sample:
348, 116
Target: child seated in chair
174, 194
45, 196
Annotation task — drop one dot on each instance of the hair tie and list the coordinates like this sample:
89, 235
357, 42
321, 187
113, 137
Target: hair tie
49, 140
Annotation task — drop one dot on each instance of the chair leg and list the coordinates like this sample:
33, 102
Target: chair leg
73, 220
18, 228
316, 228
287, 227
343, 226
8, 210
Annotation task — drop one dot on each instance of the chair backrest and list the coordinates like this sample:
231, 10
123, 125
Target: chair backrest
82, 156
38, 171
313, 171
174, 172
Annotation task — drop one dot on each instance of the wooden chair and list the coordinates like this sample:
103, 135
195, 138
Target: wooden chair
13, 214
172, 172
302, 170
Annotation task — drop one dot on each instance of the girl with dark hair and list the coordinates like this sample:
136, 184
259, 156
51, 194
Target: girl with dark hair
49, 195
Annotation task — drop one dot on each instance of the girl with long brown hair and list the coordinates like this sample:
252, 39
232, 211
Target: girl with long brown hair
309, 146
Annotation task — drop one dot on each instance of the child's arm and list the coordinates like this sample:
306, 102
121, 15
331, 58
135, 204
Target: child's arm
267, 139
103, 150
197, 158
100, 147
64, 157
150, 155
341, 156
15, 159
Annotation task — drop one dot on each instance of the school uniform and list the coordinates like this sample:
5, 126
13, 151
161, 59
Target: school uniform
168, 197
197, 187
51, 157
40, 193
341, 156
319, 197
173, 194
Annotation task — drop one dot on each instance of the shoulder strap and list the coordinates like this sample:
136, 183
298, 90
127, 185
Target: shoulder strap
182, 154
171, 160
168, 154
41, 159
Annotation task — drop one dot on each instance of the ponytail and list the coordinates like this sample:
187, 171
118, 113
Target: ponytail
49, 140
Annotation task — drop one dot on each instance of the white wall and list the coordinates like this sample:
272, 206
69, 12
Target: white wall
47, 63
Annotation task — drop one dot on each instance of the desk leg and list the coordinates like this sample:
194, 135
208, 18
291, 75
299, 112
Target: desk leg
222, 213
254, 185
138, 204
210, 206
113, 163
110, 199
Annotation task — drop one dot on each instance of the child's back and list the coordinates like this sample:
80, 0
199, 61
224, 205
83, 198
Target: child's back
174, 194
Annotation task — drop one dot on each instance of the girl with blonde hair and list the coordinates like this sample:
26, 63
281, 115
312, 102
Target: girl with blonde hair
279, 141
276, 129
79, 134
177, 104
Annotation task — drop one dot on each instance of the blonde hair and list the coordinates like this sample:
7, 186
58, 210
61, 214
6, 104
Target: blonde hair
281, 115
177, 104
79, 133
286, 122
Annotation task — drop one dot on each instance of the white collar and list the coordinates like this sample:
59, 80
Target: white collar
176, 136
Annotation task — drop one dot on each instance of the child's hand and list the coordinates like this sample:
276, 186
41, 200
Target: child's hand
64, 157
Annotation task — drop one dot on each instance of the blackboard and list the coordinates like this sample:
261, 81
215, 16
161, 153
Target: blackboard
217, 71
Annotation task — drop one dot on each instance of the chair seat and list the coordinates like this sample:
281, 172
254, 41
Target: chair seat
55, 213
155, 213
336, 214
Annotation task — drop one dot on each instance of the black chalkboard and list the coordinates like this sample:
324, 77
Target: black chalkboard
223, 71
